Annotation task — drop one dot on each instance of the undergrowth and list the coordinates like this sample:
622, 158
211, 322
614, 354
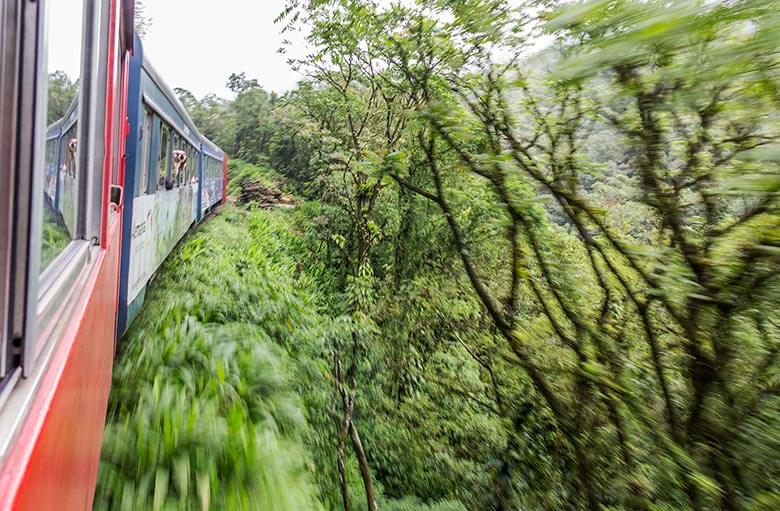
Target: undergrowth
242, 173
202, 414
222, 394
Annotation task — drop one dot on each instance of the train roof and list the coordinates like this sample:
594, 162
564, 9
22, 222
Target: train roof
211, 148
171, 107
55, 128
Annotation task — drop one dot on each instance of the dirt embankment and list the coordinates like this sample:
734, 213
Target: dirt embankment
265, 197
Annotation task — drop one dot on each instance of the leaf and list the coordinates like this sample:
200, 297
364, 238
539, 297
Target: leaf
160, 488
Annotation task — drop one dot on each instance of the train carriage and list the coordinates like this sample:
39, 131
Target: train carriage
214, 171
169, 182
90, 206
51, 161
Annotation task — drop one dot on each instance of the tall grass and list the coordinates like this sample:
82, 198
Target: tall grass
202, 414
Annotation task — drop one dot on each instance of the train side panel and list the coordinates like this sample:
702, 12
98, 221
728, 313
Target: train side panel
224, 178
128, 181
165, 198
213, 180
60, 441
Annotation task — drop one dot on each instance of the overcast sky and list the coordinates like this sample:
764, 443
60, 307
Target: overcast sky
63, 24
196, 44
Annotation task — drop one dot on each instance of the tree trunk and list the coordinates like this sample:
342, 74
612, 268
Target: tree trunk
365, 471
343, 475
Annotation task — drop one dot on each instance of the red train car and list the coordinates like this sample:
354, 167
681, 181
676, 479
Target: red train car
66, 75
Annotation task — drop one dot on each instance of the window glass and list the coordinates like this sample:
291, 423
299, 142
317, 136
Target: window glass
146, 152
187, 164
50, 179
61, 155
178, 158
163, 171
193, 165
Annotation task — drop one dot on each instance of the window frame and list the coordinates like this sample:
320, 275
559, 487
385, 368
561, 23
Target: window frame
163, 165
161, 121
147, 138
9, 88
21, 121
39, 296
58, 280
35, 307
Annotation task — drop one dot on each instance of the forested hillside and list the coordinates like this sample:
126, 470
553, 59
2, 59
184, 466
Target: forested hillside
520, 278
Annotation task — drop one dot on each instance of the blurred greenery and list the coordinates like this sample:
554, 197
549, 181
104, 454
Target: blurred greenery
203, 414
523, 275
55, 237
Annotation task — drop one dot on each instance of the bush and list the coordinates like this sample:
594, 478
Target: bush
202, 414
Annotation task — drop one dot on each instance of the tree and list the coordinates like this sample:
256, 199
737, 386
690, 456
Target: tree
62, 92
238, 83
552, 274
641, 348
143, 23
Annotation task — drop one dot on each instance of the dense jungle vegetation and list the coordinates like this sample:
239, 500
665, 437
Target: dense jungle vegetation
520, 277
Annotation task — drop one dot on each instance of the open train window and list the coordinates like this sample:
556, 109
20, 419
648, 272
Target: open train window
163, 159
176, 161
192, 165
143, 187
183, 161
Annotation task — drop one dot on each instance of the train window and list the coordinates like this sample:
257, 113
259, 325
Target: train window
192, 163
176, 167
50, 175
119, 128
62, 181
163, 169
185, 149
188, 158
185, 164
146, 154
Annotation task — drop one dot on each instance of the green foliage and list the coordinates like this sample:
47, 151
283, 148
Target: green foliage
412, 504
243, 126
143, 23
55, 237
203, 414
62, 92
540, 282
579, 244
241, 173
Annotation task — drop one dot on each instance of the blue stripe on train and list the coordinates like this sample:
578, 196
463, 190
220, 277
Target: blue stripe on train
134, 111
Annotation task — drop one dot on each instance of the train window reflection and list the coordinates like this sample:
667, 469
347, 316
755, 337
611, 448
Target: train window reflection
64, 20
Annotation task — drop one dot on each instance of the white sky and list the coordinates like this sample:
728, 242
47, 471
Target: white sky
196, 44
63, 31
